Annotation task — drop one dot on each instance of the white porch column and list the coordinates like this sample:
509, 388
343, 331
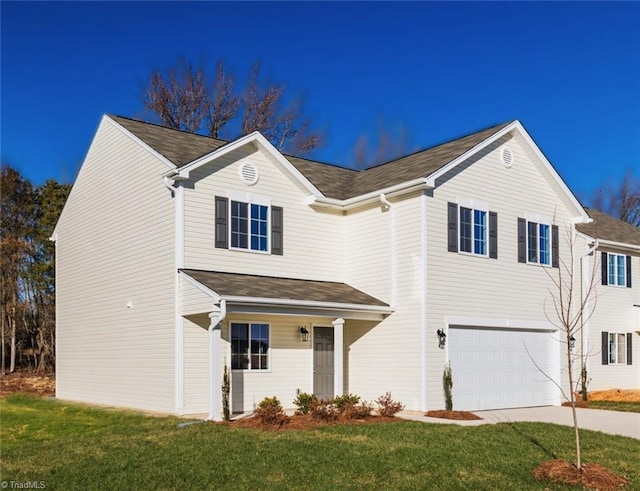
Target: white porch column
338, 356
215, 369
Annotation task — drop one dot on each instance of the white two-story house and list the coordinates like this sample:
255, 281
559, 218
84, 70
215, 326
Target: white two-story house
178, 254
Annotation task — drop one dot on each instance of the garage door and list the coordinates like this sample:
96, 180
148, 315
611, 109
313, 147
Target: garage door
492, 369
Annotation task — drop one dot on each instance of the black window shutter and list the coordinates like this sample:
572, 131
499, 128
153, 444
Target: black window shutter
277, 246
603, 268
629, 348
452, 229
605, 348
628, 271
555, 246
522, 240
221, 227
493, 235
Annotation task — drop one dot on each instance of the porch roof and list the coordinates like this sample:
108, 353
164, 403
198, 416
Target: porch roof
272, 291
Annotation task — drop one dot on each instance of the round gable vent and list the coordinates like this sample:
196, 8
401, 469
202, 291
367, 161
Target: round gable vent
507, 158
249, 173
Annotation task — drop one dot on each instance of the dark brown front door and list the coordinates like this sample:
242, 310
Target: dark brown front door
323, 362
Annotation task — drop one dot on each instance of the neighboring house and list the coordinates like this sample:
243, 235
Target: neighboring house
178, 254
611, 344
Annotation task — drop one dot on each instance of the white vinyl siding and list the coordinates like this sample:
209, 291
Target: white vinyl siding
313, 240
115, 280
459, 285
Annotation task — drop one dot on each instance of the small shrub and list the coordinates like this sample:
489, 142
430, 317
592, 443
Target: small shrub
387, 406
324, 410
447, 384
270, 412
361, 410
342, 402
303, 402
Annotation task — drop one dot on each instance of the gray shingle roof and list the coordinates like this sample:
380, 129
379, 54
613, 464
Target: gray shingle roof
606, 227
334, 182
245, 285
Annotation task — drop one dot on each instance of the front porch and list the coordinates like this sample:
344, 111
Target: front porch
279, 337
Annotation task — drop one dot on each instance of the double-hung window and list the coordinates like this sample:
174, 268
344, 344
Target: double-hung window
616, 269
249, 225
249, 346
617, 348
537, 242
472, 230
253, 226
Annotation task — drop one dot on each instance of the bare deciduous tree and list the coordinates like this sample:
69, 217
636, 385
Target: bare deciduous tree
223, 105
180, 98
387, 145
621, 201
572, 302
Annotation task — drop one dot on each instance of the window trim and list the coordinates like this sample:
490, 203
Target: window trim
617, 337
473, 225
249, 204
610, 257
539, 224
249, 324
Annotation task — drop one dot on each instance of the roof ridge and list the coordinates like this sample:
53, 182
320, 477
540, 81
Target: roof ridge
426, 149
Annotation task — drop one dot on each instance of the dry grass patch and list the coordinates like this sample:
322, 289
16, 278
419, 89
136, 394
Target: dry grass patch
457, 415
27, 382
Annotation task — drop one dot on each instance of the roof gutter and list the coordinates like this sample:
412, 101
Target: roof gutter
619, 245
383, 309
368, 198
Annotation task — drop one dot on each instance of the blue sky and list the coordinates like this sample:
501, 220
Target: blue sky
570, 72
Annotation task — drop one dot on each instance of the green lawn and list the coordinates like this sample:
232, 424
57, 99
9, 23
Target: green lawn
78, 447
630, 407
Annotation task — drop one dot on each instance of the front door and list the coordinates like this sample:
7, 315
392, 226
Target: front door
323, 362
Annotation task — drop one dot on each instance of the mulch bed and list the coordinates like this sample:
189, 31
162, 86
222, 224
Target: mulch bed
457, 415
303, 422
578, 403
27, 382
592, 476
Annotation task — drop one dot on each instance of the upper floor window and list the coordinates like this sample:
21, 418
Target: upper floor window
616, 269
472, 230
249, 225
255, 226
537, 243
617, 348
249, 346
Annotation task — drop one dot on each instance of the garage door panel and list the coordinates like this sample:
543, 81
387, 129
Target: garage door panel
493, 368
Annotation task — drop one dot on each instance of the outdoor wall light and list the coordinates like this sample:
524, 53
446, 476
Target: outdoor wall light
304, 334
442, 338
572, 343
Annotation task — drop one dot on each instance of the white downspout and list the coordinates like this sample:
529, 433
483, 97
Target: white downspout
584, 325
386, 206
215, 373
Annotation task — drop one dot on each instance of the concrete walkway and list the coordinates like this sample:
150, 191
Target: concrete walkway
612, 422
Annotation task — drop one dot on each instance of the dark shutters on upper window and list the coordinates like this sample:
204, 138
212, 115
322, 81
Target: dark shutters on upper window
605, 348
628, 271
452, 226
277, 246
555, 246
629, 348
604, 268
522, 240
221, 225
493, 235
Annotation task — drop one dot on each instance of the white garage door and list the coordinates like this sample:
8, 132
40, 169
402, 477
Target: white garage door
492, 369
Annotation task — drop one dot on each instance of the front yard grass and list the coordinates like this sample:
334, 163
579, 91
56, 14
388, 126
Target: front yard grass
78, 447
630, 407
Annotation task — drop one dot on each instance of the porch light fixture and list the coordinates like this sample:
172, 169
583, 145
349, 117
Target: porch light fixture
572, 343
442, 338
304, 334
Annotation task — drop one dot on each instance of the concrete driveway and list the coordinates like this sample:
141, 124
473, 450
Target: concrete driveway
612, 422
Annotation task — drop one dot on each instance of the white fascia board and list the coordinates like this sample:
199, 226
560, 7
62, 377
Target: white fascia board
374, 196
499, 323
260, 141
207, 291
307, 303
133, 137
617, 245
